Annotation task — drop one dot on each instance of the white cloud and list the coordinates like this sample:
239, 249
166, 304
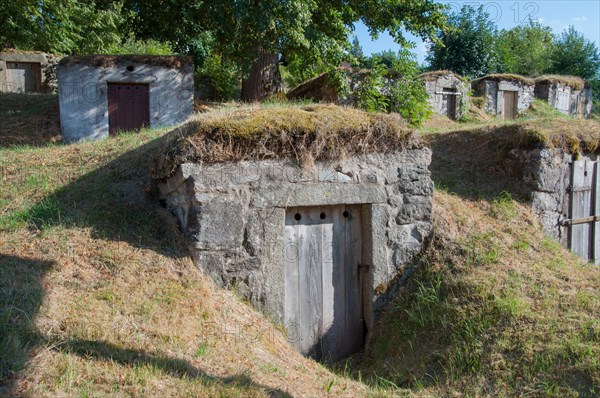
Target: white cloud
580, 19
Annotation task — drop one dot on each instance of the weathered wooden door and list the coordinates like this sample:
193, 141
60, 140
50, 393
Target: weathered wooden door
581, 106
323, 281
562, 100
451, 98
23, 76
509, 106
128, 107
584, 234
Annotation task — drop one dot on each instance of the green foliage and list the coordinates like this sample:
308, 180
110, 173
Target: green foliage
133, 46
370, 92
307, 33
61, 26
408, 95
223, 76
468, 46
525, 49
575, 55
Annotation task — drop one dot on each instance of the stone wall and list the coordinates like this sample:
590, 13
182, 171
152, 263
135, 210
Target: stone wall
438, 99
83, 96
493, 90
48, 63
233, 216
547, 175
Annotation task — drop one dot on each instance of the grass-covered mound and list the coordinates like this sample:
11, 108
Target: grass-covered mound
306, 133
29, 119
572, 81
495, 309
99, 298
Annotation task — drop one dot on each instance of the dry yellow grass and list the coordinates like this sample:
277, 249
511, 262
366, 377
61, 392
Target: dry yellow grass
306, 133
573, 81
99, 298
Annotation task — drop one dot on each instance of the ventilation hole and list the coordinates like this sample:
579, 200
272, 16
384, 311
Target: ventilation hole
130, 68
585, 173
345, 213
323, 216
298, 217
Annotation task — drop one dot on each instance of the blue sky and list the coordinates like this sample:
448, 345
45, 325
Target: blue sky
558, 14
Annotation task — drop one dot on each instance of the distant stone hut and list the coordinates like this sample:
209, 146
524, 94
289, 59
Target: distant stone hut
315, 214
448, 93
324, 89
505, 95
27, 71
100, 95
567, 94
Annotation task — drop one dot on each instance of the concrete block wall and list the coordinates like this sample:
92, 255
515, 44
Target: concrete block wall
233, 216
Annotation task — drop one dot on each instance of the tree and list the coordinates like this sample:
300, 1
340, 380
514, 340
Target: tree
574, 55
467, 47
255, 33
61, 26
525, 49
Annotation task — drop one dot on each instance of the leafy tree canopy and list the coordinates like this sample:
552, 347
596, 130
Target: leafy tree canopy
61, 26
467, 47
525, 49
316, 30
574, 55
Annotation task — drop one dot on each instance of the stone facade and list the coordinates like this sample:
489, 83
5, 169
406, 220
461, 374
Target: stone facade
492, 89
83, 91
444, 89
547, 176
565, 98
233, 215
47, 62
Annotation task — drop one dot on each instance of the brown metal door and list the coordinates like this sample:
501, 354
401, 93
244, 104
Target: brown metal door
509, 110
128, 107
23, 76
323, 281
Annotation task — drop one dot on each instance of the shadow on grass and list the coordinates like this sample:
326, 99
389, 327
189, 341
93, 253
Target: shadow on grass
473, 165
104, 351
21, 294
29, 119
118, 201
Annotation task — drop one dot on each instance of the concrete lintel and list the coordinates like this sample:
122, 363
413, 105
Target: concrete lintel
291, 195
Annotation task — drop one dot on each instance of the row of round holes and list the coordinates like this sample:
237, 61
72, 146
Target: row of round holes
298, 216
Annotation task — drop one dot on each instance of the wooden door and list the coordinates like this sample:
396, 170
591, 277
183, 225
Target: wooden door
323, 279
584, 234
581, 106
128, 107
509, 106
451, 97
23, 76
562, 100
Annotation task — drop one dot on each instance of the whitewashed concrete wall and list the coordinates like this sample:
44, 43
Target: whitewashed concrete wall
83, 97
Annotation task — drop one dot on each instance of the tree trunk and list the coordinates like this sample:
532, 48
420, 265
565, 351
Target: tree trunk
264, 78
